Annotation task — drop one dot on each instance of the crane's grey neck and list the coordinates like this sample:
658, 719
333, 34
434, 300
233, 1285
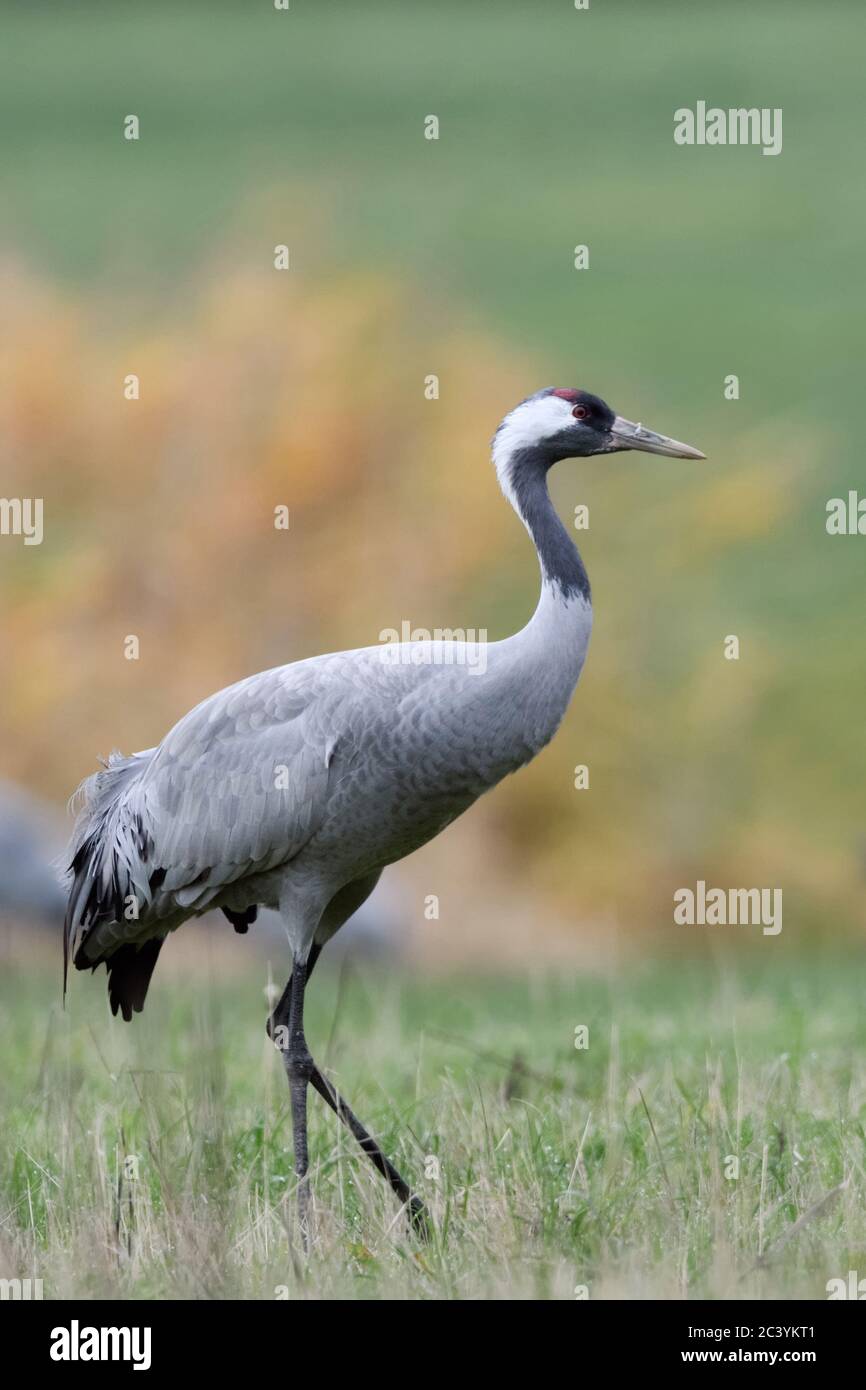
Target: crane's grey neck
523, 477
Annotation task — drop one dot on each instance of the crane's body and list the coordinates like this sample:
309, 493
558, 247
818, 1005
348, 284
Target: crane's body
294, 788
300, 783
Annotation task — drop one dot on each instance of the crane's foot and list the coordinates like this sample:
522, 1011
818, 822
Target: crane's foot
419, 1220
299, 1066
303, 1208
286, 1030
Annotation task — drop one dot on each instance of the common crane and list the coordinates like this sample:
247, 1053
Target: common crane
294, 788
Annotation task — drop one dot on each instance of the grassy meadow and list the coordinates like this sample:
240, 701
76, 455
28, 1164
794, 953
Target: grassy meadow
154, 1161
548, 1168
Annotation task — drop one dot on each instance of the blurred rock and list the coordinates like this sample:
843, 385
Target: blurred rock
33, 835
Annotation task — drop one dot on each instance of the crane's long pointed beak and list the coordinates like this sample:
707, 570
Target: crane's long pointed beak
627, 435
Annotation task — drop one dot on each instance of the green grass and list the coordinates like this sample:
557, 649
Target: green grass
557, 1167
556, 128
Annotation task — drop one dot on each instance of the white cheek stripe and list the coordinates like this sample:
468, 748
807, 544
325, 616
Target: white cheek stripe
528, 424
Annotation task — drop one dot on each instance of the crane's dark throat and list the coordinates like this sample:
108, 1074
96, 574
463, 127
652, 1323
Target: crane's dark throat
560, 559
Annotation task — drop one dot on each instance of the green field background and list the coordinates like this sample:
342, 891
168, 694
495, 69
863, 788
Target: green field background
556, 129
559, 1168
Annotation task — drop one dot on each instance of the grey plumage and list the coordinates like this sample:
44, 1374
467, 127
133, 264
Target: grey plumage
294, 788
300, 784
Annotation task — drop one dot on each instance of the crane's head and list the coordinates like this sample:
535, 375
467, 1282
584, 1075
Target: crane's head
559, 424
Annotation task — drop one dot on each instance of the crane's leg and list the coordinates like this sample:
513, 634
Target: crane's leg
283, 1016
417, 1212
299, 1068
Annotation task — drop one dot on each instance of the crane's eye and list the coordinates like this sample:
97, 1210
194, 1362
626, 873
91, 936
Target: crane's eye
580, 412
